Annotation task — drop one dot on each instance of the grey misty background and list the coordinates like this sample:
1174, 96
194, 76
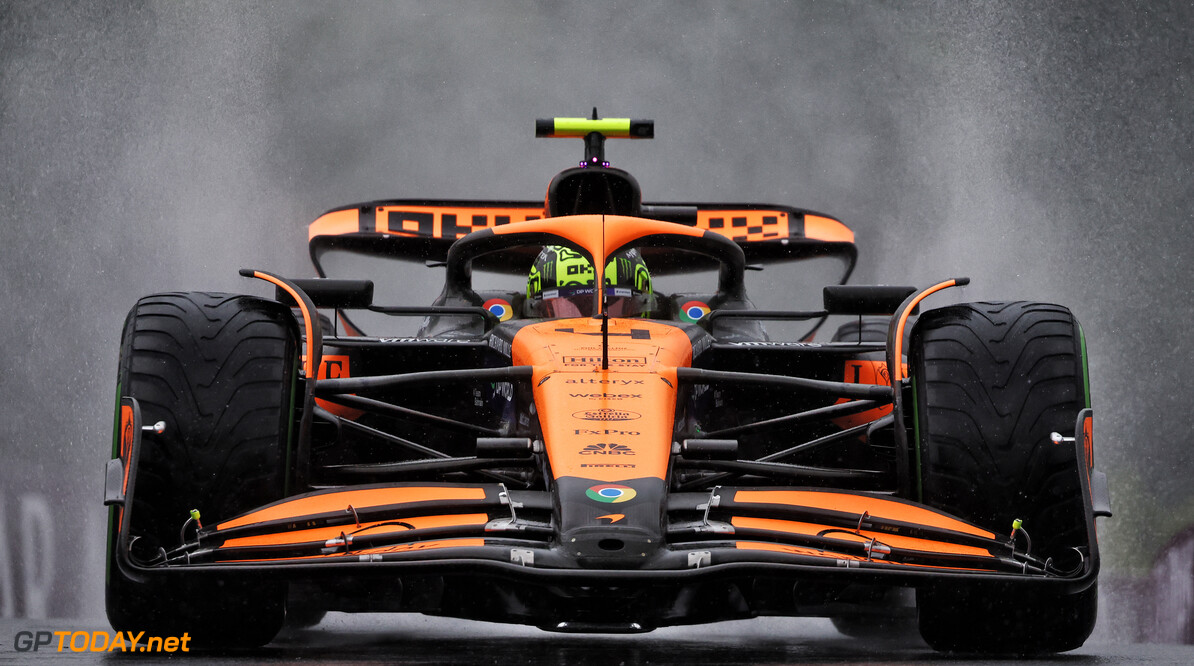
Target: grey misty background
1043, 149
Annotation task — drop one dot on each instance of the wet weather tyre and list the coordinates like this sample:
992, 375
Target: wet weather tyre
219, 370
991, 382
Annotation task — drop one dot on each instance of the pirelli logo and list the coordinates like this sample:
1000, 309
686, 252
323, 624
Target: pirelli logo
442, 222
748, 225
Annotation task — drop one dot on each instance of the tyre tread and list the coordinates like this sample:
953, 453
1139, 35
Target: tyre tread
216, 368
993, 381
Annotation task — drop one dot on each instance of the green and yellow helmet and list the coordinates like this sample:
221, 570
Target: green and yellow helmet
560, 284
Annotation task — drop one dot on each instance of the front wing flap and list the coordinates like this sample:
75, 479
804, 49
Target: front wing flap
484, 526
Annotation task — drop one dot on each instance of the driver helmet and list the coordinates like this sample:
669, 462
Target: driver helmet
560, 284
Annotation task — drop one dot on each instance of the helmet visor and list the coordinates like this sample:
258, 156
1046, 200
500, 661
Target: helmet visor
578, 302
623, 302
567, 302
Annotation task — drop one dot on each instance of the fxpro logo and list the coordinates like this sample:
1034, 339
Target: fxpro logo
606, 414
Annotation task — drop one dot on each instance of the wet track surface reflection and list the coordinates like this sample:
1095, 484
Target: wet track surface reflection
688, 647
763, 641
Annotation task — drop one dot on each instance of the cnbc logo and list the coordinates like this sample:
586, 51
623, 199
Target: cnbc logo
607, 448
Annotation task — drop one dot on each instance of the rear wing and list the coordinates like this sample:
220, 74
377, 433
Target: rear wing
422, 230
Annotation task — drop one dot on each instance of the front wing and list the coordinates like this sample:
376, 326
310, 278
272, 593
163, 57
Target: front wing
485, 530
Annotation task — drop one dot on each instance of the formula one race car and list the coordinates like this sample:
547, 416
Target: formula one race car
594, 428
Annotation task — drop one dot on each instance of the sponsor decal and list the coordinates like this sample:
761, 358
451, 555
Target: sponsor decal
500, 308
614, 361
693, 310
426, 545
449, 222
612, 517
867, 372
634, 334
606, 414
607, 448
611, 493
616, 465
612, 348
749, 225
616, 382
503, 390
333, 366
586, 431
864, 372
501, 346
606, 396
444, 341
774, 344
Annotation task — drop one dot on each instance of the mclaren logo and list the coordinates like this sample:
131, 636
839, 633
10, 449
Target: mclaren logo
606, 414
607, 448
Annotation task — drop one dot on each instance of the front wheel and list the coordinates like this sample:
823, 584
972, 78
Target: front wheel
219, 370
991, 382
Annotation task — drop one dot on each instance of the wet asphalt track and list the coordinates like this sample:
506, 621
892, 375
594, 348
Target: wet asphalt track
406, 639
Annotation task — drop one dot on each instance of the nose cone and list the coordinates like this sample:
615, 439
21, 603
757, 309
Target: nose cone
607, 431
611, 525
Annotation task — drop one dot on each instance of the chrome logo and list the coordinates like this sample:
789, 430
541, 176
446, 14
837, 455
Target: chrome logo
693, 310
500, 308
611, 493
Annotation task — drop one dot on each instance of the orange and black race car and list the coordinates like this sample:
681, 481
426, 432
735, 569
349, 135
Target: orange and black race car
595, 428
